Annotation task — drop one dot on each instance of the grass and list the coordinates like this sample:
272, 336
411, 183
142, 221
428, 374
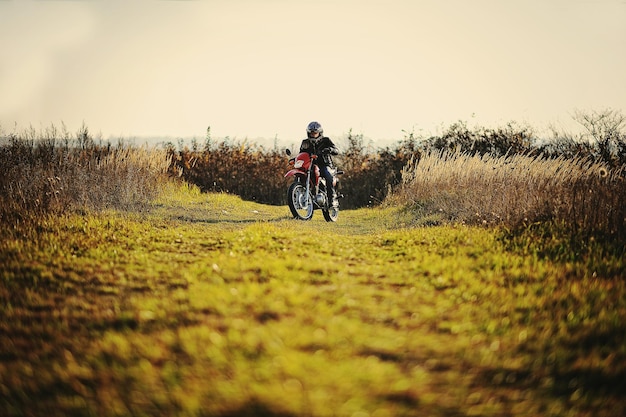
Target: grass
206, 305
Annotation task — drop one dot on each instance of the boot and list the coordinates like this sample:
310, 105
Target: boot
334, 202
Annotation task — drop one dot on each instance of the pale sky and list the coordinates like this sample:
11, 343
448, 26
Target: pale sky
253, 68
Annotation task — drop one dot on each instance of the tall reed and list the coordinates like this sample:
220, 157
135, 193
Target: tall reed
50, 173
518, 190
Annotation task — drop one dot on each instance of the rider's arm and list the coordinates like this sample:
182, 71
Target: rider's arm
332, 149
305, 145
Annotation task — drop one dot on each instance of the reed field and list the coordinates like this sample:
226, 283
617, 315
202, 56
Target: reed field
134, 281
54, 172
517, 191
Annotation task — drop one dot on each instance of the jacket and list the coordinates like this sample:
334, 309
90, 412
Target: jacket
324, 149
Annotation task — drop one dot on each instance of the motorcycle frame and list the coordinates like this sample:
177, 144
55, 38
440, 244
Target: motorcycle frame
300, 175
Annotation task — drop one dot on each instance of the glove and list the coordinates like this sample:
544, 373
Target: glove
326, 151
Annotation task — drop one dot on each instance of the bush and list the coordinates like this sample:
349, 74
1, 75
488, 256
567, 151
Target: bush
370, 177
603, 139
509, 140
249, 171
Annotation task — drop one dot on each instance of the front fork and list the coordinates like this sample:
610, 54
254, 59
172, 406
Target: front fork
308, 186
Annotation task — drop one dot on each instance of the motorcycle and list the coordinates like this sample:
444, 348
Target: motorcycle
308, 191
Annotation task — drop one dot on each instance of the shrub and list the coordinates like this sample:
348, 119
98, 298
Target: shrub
509, 140
369, 177
249, 171
603, 138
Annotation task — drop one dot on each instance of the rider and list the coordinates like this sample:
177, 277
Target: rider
320, 145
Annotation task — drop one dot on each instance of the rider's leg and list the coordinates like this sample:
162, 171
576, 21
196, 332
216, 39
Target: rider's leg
330, 189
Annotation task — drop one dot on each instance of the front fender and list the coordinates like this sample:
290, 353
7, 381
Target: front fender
294, 172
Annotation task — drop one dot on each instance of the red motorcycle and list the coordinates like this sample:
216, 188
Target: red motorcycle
308, 191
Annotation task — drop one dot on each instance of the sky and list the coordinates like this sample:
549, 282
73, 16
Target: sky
254, 69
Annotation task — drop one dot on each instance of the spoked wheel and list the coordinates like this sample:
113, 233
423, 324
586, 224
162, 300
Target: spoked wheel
300, 202
331, 214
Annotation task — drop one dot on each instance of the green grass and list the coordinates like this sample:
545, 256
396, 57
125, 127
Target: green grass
211, 306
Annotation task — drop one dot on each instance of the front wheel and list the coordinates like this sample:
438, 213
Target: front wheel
300, 202
331, 214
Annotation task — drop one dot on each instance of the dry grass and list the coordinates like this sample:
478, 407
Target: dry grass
48, 173
517, 191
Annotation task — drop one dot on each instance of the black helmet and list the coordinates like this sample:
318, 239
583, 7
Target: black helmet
314, 127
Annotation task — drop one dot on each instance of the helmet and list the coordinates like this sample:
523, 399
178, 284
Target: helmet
314, 127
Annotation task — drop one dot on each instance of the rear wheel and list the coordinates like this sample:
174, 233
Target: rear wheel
300, 202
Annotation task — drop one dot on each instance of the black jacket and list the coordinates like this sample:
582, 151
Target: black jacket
323, 148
